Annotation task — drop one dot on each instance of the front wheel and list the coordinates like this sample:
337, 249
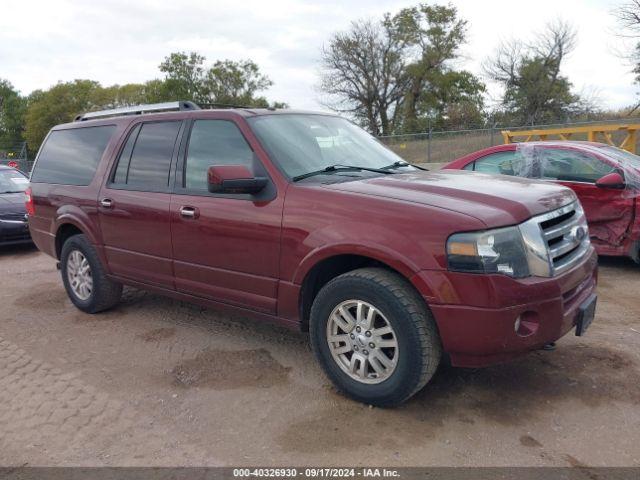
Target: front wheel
84, 277
374, 336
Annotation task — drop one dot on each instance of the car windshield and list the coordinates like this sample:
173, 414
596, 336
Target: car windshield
12, 181
623, 156
305, 143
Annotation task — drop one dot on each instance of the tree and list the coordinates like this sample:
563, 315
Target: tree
225, 82
628, 15
236, 83
452, 100
59, 104
432, 36
184, 76
394, 75
364, 72
534, 89
152, 91
12, 110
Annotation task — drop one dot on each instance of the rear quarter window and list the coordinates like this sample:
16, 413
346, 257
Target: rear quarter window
71, 157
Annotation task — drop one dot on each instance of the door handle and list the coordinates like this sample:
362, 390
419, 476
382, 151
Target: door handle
188, 212
106, 203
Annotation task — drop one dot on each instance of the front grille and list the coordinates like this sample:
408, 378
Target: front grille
566, 236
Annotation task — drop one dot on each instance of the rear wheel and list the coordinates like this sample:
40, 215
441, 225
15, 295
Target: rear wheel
84, 277
374, 336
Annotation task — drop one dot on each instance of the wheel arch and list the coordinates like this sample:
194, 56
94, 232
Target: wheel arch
63, 233
313, 275
68, 225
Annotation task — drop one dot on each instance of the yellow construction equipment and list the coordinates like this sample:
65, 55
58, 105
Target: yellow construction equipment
595, 133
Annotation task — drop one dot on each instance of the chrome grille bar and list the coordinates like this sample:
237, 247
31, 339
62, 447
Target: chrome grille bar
557, 230
553, 248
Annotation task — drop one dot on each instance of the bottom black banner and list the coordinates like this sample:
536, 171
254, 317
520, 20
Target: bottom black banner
214, 473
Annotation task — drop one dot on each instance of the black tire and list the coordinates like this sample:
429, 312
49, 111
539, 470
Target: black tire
105, 293
419, 347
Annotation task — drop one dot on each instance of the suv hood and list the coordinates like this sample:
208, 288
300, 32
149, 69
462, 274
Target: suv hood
495, 200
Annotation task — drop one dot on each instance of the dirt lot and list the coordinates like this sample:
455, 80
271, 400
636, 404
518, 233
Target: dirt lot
158, 382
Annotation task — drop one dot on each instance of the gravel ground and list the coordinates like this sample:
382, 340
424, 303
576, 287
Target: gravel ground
160, 382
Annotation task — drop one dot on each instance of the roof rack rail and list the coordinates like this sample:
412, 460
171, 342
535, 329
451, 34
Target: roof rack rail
138, 110
227, 105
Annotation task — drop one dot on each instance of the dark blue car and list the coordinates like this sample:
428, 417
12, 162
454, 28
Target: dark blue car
13, 214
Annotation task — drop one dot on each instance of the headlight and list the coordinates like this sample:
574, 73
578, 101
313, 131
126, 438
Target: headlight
492, 251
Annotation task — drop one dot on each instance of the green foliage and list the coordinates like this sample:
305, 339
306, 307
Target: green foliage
237, 83
534, 90
539, 96
59, 104
395, 76
432, 35
12, 110
226, 82
453, 100
186, 78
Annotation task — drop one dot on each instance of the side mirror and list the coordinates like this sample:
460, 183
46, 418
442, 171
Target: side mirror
611, 180
234, 179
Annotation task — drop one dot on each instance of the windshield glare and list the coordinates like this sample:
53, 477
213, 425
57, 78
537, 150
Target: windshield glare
302, 143
12, 181
623, 156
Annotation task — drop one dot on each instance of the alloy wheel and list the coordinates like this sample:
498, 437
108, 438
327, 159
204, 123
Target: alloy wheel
362, 341
79, 275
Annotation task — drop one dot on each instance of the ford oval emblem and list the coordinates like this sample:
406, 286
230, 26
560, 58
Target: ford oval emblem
578, 233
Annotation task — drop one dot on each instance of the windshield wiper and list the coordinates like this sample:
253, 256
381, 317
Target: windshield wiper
339, 168
400, 163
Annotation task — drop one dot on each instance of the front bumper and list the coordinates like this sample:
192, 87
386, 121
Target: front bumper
14, 232
476, 314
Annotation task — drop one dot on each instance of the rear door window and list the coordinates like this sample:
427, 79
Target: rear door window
145, 161
71, 156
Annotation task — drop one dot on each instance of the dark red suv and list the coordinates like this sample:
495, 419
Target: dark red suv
306, 220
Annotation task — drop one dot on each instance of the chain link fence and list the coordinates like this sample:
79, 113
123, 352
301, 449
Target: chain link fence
15, 155
439, 147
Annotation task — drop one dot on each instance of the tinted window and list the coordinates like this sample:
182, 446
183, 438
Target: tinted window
12, 181
214, 142
149, 162
572, 166
497, 163
122, 169
71, 157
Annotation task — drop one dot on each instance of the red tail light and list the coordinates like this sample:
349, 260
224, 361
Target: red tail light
28, 202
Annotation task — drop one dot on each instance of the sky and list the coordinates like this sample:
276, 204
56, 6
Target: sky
124, 41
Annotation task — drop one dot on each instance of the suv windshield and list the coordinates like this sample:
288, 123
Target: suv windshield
12, 181
305, 143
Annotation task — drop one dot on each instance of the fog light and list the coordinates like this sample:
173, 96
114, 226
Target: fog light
527, 324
